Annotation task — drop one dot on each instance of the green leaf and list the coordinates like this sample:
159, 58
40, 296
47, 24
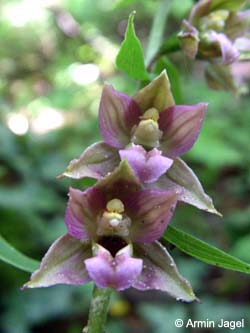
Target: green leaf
203, 251
171, 44
130, 57
15, 258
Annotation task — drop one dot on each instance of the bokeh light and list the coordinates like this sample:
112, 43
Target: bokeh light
18, 123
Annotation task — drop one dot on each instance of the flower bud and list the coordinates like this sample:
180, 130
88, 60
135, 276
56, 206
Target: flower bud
189, 38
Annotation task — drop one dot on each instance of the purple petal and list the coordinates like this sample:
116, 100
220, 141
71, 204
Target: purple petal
119, 183
183, 180
82, 211
62, 264
181, 125
119, 272
150, 212
95, 162
147, 166
157, 94
228, 51
160, 273
118, 113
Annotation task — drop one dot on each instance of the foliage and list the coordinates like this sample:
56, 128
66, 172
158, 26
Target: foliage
130, 57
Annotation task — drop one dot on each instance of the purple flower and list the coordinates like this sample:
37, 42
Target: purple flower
172, 130
216, 31
113, 229
149, 131
147, 166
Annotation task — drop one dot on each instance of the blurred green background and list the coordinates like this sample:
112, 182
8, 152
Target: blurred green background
54, 58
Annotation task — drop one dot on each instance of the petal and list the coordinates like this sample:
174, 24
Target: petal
119, 183
199, 10
118, 113
204, 7
233, 6
182, 179
160, 272
150, 211
228, 51
62, 264
243, 46
147, 166
238, 24
95, 162
189, 38
119, 272
181, 125
82, 211
156, 94
221, 77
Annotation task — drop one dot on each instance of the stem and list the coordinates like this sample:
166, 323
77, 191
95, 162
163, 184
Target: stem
157, 30
170, 46
98, 310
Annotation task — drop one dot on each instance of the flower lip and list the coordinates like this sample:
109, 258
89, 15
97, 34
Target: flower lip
112, 243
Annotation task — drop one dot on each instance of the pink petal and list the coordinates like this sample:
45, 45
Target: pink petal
118, 113
228, 51
150, 212
82, 210
147, 166
62, 264
181, 178
181, 125
119, 272
160, 272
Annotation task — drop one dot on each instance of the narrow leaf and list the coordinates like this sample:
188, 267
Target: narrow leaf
15, 258
204, 251
130, 57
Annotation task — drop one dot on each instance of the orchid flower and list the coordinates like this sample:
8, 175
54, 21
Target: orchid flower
218, 32
150, 132
113, 229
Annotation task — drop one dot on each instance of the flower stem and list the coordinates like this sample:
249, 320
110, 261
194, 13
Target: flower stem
98, 310
157, 30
